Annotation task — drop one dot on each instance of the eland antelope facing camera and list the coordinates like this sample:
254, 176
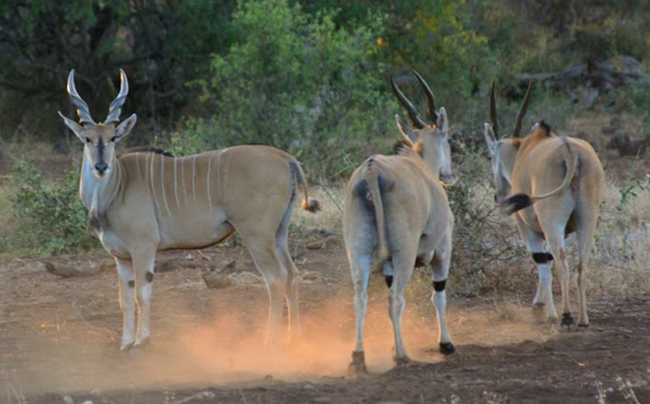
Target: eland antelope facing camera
142, 203
558, 183
396, 208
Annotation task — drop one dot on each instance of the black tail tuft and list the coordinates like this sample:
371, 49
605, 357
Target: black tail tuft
312, 205
517, 202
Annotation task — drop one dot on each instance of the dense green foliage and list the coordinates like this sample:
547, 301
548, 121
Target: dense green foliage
294, 81
49, 218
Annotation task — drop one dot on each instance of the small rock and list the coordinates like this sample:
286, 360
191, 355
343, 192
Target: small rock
189, 257
63, 271
87, 402
268, 378
216, 281
316, 245
68, 400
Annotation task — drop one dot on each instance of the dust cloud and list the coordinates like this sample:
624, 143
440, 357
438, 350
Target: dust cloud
228, 349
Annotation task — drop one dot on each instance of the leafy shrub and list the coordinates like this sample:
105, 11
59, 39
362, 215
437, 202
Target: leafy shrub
296, 82
49, 218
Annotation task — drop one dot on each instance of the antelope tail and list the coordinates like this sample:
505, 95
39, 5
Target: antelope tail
521, 201
308, 204
372, 179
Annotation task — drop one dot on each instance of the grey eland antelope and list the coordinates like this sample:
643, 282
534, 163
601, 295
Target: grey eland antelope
558, 183
145, 202
397, 208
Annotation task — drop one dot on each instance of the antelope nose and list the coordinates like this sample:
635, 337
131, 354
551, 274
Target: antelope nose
101, 167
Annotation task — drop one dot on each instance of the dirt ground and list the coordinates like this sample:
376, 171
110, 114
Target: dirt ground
60, 337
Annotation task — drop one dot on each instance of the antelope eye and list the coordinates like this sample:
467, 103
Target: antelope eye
87, 140
114, 138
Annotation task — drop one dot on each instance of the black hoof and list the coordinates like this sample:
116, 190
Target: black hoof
447, 348
567, 323
401, 361
358, 366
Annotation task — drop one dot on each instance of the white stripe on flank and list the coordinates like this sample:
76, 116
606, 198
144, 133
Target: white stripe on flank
218, 174
163, 188
137, 162
208, 179
194, 177
184, 187
153, 187
176, 184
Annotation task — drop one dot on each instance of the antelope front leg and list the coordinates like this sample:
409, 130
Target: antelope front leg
127, 302
143, 263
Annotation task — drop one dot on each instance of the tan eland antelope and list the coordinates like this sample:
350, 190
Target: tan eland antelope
396, 207
142, 203
558, 183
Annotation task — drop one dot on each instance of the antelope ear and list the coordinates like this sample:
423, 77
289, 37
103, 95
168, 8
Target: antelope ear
409, 135
125, 127
490, 138
443, 123
77, 129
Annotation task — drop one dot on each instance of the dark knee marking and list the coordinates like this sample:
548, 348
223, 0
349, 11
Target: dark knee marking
389, 280
439, 286
542, 257
567, 319
131, 284
149, 276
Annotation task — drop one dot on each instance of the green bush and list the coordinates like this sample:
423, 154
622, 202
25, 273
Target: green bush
296, 82
48, 218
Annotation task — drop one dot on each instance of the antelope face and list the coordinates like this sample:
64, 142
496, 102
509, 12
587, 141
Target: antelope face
503, 152
99, 144
433, 146
99, 139
432, 141
502, 157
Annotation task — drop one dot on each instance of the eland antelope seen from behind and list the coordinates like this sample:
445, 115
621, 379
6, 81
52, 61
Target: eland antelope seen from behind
396, 207
145, 202
558, 183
